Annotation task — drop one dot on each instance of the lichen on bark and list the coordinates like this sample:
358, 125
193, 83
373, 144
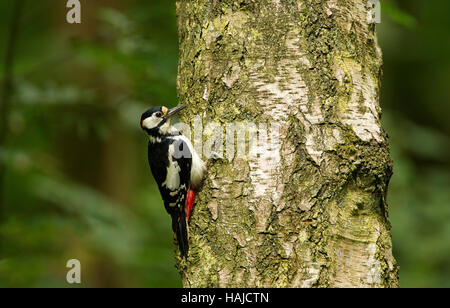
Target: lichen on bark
317, 216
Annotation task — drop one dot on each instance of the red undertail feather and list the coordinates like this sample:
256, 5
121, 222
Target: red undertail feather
190, 197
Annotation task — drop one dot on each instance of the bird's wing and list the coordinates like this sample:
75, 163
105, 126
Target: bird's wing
177, 185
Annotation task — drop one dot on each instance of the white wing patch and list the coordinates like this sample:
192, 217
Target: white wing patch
172, 181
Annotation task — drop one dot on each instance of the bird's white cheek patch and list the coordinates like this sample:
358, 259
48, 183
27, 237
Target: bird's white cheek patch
151, 122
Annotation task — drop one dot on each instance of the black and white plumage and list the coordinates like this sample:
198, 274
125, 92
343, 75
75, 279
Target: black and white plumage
175, 165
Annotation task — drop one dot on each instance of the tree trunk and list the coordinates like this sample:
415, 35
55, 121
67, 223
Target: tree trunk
315, 214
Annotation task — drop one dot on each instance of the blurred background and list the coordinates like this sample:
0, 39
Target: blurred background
74, 181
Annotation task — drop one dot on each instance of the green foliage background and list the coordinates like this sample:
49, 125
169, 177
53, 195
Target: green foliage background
77, 183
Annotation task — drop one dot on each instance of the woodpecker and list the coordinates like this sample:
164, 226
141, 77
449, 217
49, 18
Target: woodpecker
177, 168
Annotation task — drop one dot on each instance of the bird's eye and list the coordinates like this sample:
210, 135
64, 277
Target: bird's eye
159, 114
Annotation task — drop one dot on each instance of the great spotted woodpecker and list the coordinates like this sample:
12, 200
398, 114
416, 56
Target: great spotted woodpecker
176, 167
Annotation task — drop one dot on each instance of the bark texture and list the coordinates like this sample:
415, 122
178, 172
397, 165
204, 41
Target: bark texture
317, 217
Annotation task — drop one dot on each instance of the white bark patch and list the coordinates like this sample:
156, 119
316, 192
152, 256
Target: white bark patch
308, 275
278, 100
313, 273
279, 96
288, 249
361, 111
317, 138
224, 277
357, 264
206, 94
374, 272
232, 77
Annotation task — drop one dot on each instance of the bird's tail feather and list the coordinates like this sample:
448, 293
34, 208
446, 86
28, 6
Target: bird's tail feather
182, 234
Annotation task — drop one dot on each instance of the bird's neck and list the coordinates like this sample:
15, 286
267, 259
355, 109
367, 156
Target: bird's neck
158, 135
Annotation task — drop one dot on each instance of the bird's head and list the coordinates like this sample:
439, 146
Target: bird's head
156, 120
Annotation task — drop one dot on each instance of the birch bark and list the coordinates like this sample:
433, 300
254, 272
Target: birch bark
316, 216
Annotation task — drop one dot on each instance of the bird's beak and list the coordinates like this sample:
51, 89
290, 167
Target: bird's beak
173, 111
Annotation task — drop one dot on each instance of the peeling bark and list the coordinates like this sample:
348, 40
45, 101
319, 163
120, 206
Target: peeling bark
316, 215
